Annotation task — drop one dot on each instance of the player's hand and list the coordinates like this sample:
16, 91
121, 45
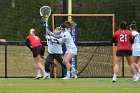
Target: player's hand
54, 40
47, 36
45, 23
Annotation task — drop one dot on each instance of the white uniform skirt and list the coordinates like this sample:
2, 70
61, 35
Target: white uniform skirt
72, 51
135, 53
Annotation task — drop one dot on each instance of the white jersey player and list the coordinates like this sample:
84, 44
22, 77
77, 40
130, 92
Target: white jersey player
68, 40
135, 45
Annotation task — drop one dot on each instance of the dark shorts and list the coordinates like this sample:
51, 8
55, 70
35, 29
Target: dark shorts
39, 50
51, 57
124, 53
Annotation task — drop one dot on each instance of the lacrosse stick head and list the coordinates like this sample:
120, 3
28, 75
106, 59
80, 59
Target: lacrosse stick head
45, 12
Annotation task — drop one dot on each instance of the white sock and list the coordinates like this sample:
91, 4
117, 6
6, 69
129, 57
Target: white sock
114, 76
49, 74
68, 73
73, 68
38, 72
134, 75
139, 71
44, 72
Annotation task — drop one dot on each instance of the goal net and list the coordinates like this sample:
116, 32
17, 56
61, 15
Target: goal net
94, 49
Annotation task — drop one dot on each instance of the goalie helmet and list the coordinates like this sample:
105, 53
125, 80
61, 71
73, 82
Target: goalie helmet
57, 31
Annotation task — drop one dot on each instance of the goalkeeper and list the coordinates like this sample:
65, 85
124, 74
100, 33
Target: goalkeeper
54, 52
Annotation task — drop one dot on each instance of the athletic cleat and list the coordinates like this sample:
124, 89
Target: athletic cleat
38, 76
66, 77
74, 73
114, 80
49, 76
135, 78
75, 76
46, 75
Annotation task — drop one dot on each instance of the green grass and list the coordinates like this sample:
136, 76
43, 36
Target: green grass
80, 85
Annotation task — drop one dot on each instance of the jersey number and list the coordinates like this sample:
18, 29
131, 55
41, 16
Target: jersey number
123, 37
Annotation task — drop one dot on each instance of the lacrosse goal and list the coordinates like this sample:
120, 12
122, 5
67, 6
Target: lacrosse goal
95, 54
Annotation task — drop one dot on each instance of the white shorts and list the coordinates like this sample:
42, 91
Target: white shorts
136, 53
71, 51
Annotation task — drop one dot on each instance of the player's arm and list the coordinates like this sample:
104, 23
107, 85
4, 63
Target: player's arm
28, 44
48, 31
58, 41
113, 40
51, 33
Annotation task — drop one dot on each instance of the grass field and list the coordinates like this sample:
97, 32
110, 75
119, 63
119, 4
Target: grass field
80, 85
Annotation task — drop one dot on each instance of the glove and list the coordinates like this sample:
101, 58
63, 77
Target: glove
45, 23
47, 36
54, 40
49, 33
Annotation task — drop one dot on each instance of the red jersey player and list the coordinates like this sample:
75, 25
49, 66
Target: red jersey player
34, 43
123, 38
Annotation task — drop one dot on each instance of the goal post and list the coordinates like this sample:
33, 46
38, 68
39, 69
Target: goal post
112, 15
88, 15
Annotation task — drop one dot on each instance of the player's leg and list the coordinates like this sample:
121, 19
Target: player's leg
48, 62
38, 76
59, 59
37, 56
38, 65
116, 67
66, 59
41, 52
135, 59
132, 69
137, 67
